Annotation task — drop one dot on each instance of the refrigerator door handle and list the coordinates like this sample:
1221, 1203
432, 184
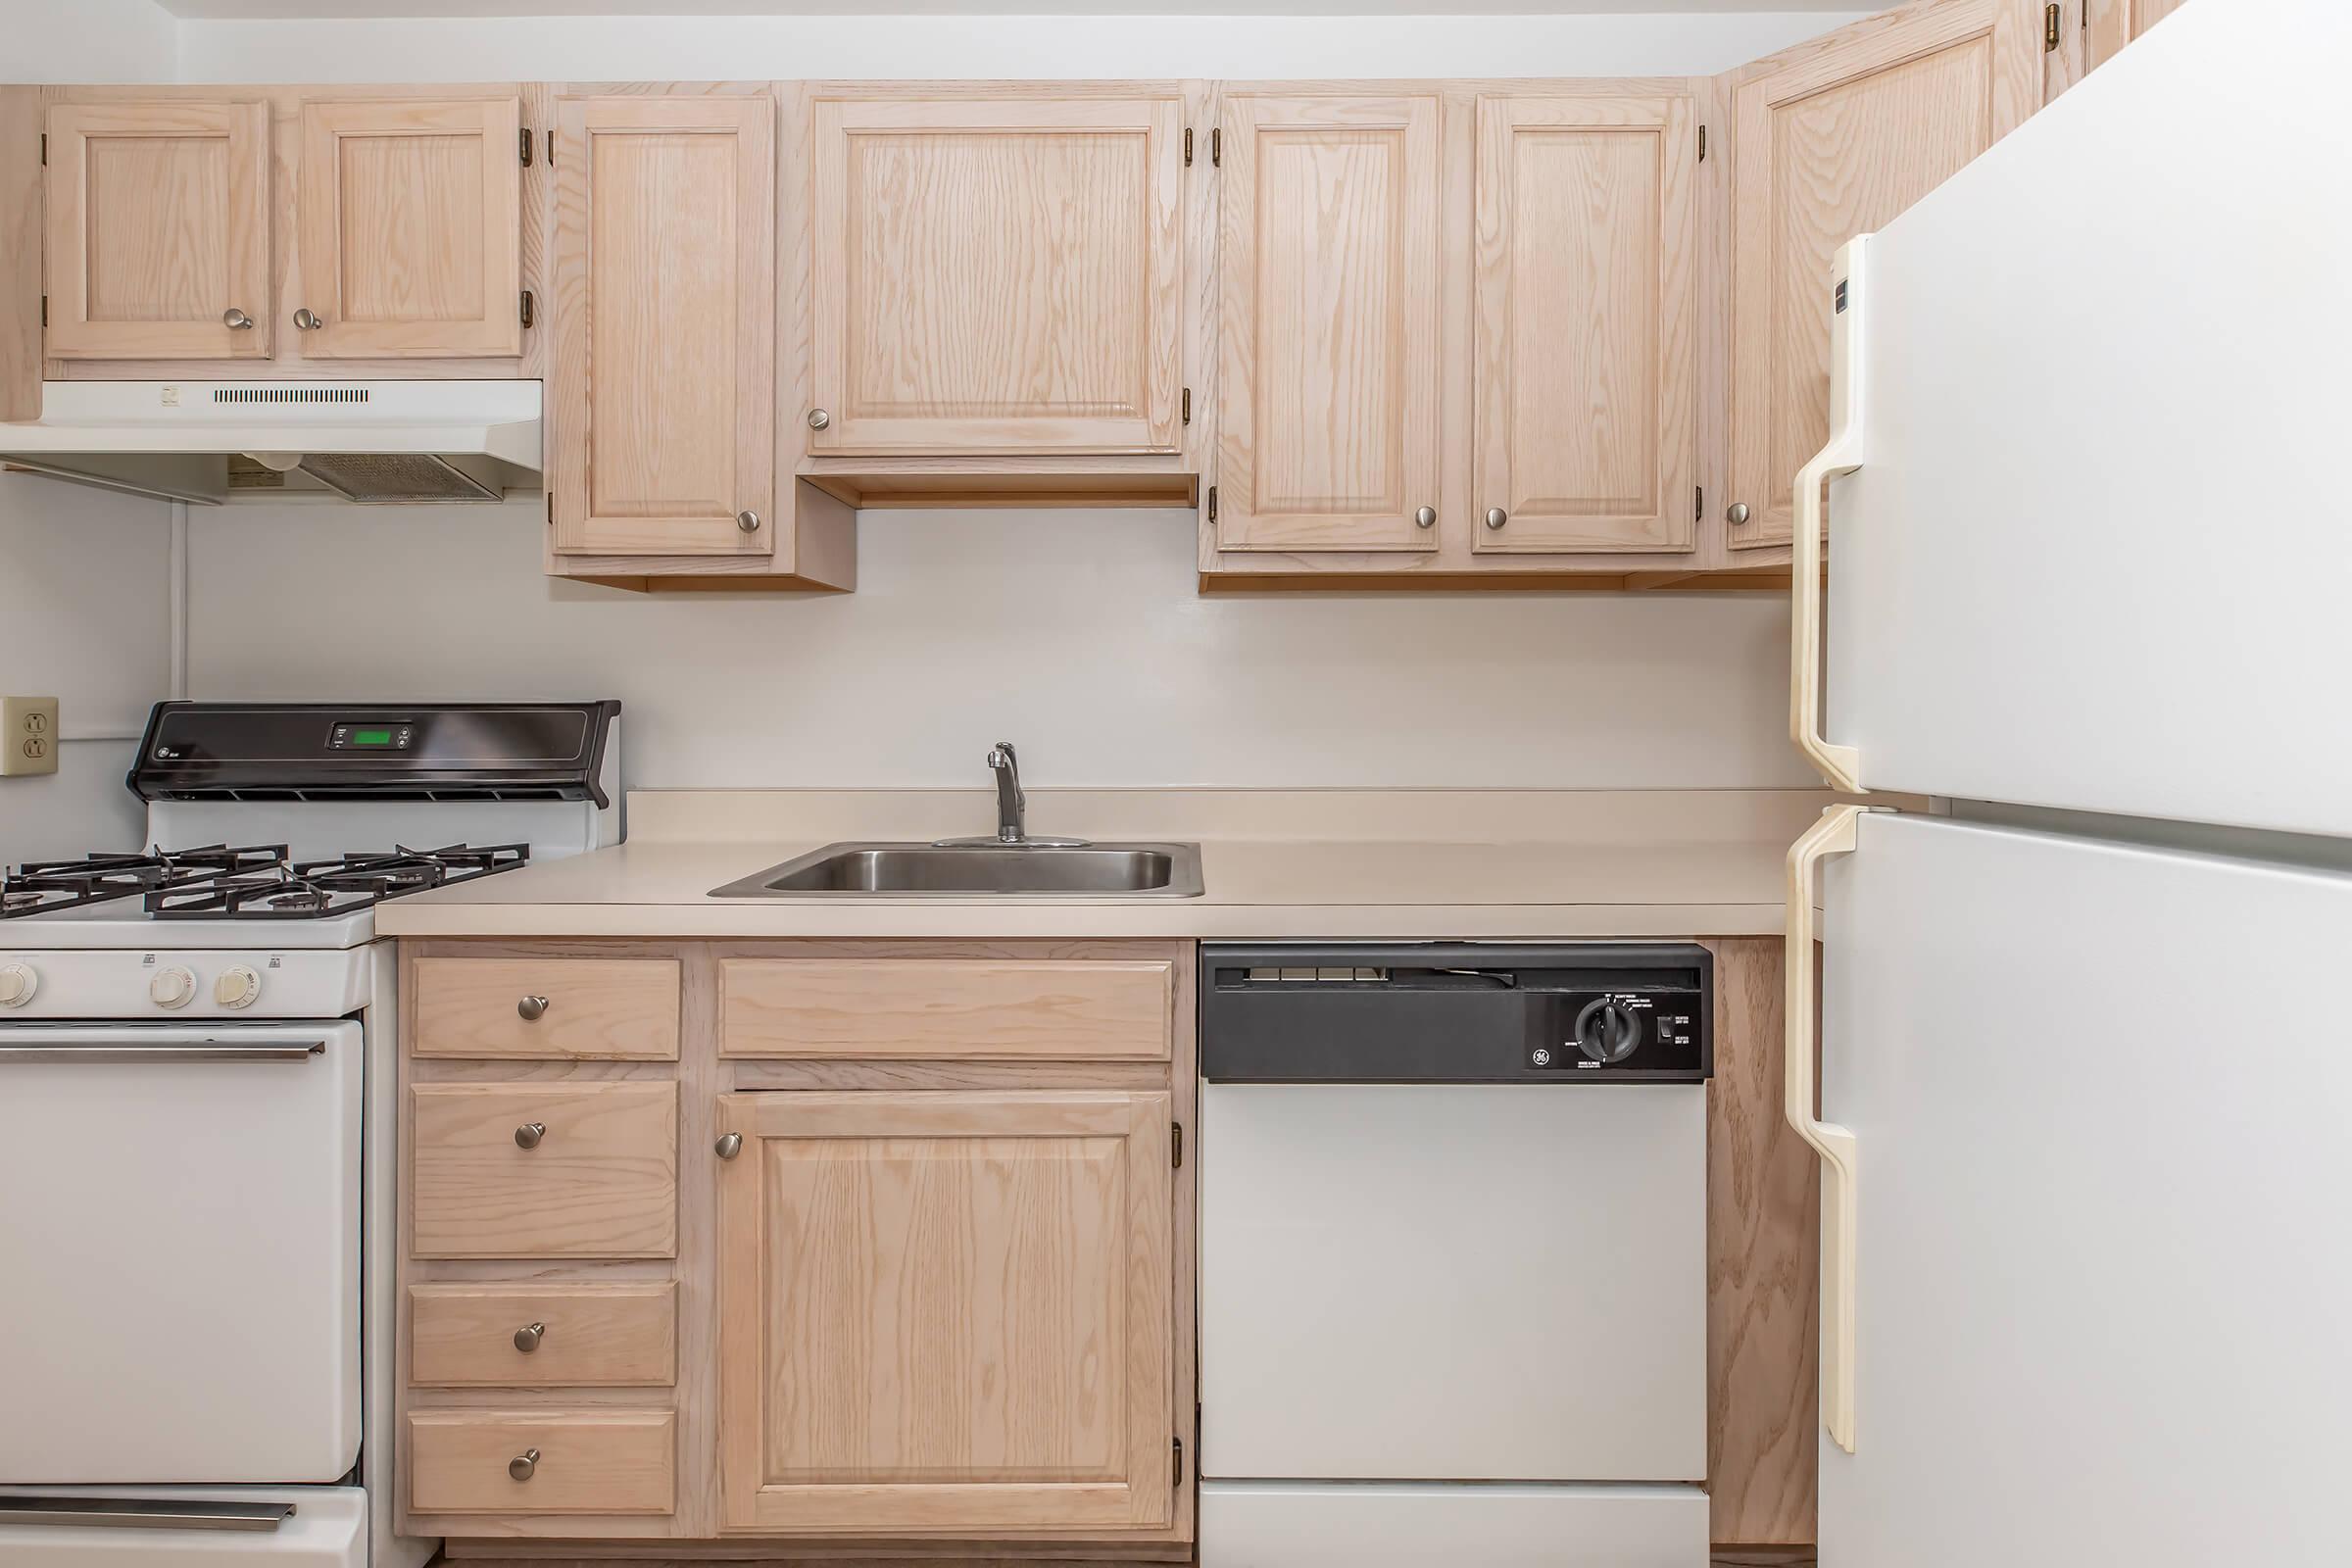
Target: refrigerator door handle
1834, 834
1840, 765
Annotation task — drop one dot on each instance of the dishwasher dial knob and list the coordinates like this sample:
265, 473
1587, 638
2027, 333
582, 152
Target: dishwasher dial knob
1608, 1031
17, 983
171, 987
236, 986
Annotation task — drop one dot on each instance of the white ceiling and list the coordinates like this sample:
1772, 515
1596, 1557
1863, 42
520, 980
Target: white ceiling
345, 9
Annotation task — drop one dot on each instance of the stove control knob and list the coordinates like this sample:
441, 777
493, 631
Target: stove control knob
171, 987
17, 983
236, 986
1607, 1032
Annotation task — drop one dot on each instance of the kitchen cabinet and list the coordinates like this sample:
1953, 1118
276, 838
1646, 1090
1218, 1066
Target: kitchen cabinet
946, 1310
1831, 140
409, 228
1329, 370
995, 274
662, 405
157, 230
1585, 434
2109, 25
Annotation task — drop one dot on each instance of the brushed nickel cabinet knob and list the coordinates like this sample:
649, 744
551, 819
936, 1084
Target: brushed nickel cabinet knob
1736, 514
236, 321
1426, 518
748, 521
729, 1145
1496, 517
528, 1135
527, 1338
307, 320
524, 1464
531, 1008
818, 419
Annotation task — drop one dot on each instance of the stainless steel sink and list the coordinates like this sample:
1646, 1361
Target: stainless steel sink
979, 870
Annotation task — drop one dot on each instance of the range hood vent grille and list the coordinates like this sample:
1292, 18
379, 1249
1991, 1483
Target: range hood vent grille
381, 478
289, 394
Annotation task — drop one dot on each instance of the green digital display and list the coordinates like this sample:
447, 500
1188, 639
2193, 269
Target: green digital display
370, 737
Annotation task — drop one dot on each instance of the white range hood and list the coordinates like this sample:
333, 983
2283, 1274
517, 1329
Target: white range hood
207, 442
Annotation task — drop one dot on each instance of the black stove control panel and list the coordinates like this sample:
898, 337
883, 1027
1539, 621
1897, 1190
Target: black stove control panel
372, 735
1460, 1013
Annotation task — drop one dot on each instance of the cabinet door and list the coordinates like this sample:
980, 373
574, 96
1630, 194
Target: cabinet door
2109, 25
158, 231
1837, 144
409, 218
1584, 342
1329, 370
662, 412
946, 1311
996, 275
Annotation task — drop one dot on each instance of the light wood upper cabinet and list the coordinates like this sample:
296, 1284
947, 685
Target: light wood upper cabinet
2109, 25
158, 231
1329, 363
994, 274
1584, 431
946, 1311
409, 229
1831, 144
662, 407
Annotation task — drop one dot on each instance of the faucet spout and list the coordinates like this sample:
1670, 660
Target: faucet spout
1012, 803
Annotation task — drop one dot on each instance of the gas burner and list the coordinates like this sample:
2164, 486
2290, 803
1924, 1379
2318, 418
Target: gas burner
307, 889
44, 887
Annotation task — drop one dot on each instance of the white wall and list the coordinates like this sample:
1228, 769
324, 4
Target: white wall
84, 617
1076, 634
87, 41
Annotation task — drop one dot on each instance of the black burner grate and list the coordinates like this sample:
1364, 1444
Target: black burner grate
295, 890
44, 887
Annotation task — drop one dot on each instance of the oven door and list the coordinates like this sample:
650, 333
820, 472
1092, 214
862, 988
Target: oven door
185, 1527
180, 1300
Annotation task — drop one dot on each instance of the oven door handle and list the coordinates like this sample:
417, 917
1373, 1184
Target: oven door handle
132, 1053
142, 1513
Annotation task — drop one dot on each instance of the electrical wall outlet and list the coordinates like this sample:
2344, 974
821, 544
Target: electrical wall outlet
27, 735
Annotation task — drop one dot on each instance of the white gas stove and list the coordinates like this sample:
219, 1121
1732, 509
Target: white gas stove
197, 1077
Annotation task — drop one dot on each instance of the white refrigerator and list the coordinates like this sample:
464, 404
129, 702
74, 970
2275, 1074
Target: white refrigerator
2085, 1085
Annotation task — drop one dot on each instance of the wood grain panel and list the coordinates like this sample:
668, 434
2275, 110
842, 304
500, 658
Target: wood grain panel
624, 1009
996, 274
662, 271
620, 1334
410, 228
158, 225
589, 1461
2109, 25
602, 1182
1585, 428
947, 1311
944, 1008
1835, 144
1763, 1269
20, 282
1328, 385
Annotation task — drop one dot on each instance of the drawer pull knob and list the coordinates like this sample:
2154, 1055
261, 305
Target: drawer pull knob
729, 1145
1496, 517
527, 1338
307, 320
523, 1465
528, 1135
532, 1008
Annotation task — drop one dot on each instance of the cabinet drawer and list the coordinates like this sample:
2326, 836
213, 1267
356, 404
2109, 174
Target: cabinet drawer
620, 1008
599, 1179
580, 1461
992, 1008
578, 1336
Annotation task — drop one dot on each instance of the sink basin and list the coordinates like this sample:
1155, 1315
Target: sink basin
981, 870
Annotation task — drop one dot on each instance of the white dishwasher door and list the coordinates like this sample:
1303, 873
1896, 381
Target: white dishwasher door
179, 1253
1454, 1282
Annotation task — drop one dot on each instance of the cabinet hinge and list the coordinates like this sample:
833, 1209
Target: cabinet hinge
2050, 27
527, 306
1180, 1461
1212, 503
1216, 147
1698, 506
1188, 405
1703, 144
551, 506
44, 149
45, 310
526, 146
1176, 1145
1187, 146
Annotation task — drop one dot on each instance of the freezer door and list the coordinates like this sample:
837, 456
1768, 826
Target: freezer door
2096, 553
2098, 1098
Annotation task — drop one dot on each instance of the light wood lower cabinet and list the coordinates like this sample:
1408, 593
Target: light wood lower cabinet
947, 1311
892, 1244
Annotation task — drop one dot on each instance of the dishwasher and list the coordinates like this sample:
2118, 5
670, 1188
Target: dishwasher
1453, 1255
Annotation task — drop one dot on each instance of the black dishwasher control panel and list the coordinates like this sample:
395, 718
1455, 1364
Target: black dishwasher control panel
1466, 1012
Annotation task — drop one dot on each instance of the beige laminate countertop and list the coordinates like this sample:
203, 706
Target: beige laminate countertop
1370, 864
